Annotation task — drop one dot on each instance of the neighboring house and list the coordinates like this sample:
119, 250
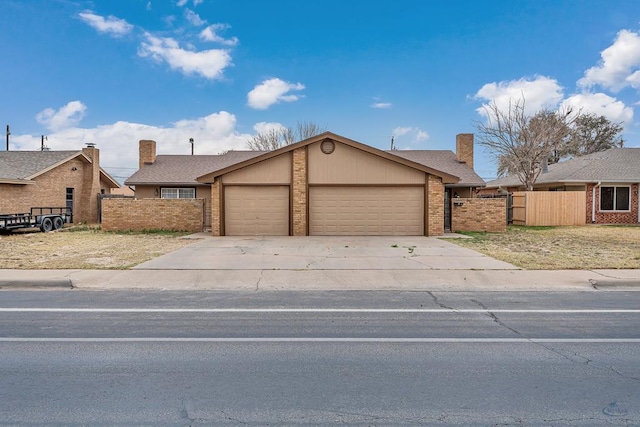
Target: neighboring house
609, 178
324, 185
53, 179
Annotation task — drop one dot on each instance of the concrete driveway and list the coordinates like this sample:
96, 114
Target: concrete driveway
323, 253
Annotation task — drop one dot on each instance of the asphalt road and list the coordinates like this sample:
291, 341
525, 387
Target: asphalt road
291, 358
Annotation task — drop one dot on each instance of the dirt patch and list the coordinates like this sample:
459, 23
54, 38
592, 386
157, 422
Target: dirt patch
85, 249
561, 248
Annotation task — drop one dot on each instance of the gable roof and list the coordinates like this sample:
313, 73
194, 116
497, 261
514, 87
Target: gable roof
184, 169
21, 167
447, 178
25, 165
616, 165
444, 160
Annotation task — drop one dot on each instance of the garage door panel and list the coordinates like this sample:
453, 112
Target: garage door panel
256, 210
366, 211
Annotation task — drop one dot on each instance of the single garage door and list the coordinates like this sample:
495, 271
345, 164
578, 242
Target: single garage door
256, 210
369, 211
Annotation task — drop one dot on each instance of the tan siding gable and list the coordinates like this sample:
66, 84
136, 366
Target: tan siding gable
272, 171
349, 165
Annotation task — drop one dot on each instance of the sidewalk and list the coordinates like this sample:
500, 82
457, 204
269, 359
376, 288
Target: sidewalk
281, 280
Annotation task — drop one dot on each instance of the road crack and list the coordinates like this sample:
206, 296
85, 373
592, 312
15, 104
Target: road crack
259, 280
437, 301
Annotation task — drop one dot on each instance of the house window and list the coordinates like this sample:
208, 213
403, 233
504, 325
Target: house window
178, 193
615, 198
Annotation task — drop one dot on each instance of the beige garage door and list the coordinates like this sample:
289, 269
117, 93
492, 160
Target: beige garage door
256, 211
372, 211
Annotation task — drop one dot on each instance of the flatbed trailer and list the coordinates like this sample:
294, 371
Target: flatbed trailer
45, 218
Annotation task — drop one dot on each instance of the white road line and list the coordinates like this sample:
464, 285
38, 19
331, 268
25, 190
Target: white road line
329, 340
306, 310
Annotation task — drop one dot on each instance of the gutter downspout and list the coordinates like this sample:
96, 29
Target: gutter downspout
593, 202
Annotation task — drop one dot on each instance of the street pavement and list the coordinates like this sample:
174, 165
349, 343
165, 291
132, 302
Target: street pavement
323, 263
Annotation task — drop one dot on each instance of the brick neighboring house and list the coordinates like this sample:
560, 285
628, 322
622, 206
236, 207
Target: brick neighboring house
610, 180
325, 185
54, 179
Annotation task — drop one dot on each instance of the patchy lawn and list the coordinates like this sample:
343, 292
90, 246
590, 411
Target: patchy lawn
560, 248
85, 249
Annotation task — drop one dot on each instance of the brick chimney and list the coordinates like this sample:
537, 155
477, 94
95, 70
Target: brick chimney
464, 148
90, 187
147, 152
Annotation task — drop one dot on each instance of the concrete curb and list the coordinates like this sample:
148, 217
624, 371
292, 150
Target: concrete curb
36, 284
329, 280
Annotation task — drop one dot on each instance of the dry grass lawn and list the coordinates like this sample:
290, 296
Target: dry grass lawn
559, 248
85, 249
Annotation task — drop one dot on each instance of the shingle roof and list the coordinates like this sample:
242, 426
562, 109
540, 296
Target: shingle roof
20, 165
616, 165
443, 160
184, 169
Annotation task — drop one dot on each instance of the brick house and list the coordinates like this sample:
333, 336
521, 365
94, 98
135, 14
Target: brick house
324, 185
610, 180
54, 179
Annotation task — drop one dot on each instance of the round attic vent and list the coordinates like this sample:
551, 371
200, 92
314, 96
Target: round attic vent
327, 146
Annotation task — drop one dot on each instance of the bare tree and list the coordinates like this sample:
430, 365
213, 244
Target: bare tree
275, 138
521, 144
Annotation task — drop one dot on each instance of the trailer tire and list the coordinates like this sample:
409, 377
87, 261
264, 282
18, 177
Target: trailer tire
57, 223
46, 225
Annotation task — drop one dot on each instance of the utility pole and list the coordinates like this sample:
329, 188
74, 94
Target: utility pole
191, 142
8, 133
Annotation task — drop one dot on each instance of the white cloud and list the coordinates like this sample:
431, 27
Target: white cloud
541, 92
415, 134
65, 117
181, 3
272, 91
109, 25
266, 127
210, 34
207, 63
619, 66
381, 105
149, 5
118, 142
194, 18
602, 105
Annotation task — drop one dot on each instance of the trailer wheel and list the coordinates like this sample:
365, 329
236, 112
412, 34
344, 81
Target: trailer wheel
57, 223
46, 225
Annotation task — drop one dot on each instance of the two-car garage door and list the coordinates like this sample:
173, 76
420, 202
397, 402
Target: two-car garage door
372, 211
333, 211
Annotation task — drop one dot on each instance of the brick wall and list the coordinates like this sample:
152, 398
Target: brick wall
152, 214
435, 206
299, 201
479, 215
630, 217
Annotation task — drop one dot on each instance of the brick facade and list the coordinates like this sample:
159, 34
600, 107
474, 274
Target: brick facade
603, 217
152, 214
474, 214
216, 207
299, 192
49, 190
435, 206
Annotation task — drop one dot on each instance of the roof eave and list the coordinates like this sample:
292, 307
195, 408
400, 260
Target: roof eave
16, 181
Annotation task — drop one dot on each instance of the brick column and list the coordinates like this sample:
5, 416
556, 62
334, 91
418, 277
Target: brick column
435, 206
299, 191
216, 207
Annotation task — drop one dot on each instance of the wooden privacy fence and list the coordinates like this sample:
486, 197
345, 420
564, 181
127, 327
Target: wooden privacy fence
549, 208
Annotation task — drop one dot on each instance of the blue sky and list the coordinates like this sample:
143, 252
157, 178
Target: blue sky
112, 72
